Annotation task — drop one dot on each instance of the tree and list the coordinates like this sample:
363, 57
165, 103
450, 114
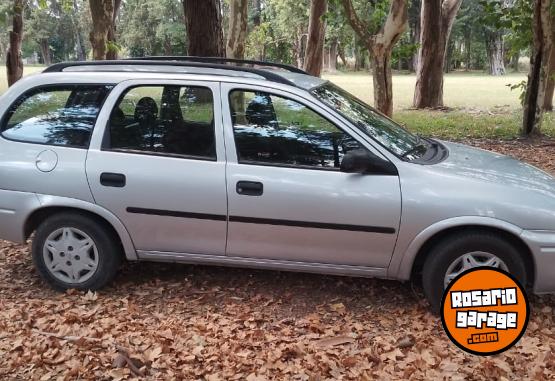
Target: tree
314, 54
153, 27
550, 89
204, 28
40, 27
112, 52
437, 18
102, 36
237, 33
14, 61
539, 68
380, 45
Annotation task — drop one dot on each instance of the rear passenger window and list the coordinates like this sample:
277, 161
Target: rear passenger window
63, 116
164, 120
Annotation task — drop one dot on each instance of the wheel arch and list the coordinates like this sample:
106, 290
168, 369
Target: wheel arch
419, 248
52, 205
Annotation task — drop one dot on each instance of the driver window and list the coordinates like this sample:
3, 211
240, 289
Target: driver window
271, 129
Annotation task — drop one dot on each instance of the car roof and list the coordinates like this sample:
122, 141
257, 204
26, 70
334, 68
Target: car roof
202, 66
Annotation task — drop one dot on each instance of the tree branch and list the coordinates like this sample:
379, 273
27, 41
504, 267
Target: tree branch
450, 8
396, 23
358, 26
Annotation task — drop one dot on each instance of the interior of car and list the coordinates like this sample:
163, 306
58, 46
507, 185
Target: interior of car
180, 122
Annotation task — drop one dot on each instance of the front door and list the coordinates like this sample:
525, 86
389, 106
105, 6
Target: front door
288, 200
160, 167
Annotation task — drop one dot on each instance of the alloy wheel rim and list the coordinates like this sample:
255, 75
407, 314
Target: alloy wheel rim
70, 255
471, 261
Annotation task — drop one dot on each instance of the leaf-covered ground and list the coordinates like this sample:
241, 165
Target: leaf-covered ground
185, 322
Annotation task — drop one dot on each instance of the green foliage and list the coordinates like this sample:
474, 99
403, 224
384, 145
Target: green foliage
152, 27
521, 86
52, 22
515, 19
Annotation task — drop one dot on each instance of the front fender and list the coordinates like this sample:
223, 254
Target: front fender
47, 201
406, 252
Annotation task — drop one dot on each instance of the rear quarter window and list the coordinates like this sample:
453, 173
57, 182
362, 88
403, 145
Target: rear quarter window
55, 115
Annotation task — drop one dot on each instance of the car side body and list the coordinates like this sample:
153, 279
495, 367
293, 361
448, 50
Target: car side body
213, 211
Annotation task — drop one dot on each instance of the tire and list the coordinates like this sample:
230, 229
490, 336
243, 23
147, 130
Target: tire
452, 248
90, 265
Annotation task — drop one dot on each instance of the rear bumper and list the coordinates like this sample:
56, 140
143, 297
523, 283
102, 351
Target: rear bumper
15, 208
542, 245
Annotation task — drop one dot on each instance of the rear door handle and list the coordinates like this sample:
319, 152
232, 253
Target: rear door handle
250, 188
115, 180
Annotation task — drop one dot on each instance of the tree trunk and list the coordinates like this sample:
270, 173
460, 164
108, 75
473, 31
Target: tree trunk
550, 86
14, 61
448, 63
112, 53
102, 12
496, 53
436, 23
515, 62
380, 45
468, 49
539, 68
382, 78
45, 51
326, 59
341, 54
80, 52
414, 21
257, 6
204, 28
315, 42
299, 48
332, 61
237, 32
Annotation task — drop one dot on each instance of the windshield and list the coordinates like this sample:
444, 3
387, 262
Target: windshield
374, 124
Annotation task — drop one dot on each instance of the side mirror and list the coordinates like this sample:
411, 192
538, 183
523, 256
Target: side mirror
363, 162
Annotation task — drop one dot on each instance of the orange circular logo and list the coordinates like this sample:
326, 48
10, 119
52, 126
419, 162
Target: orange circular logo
485, 311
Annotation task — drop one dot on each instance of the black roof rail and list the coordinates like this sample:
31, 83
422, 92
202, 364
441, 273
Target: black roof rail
270, 76
222, 60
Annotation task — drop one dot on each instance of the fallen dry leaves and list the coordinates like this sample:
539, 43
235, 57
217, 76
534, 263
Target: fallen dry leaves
207, 323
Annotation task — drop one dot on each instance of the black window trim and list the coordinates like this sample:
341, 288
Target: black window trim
160, 154
106, 138
37, 89
283, 165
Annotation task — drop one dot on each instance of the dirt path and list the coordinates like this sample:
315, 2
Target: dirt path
188, 322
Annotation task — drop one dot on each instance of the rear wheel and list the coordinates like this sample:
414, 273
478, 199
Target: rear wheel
72, 250
458, 253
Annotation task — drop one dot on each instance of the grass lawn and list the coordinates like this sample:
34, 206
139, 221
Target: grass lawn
480, 106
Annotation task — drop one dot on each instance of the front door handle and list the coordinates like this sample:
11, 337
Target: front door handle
250, 188
115, 180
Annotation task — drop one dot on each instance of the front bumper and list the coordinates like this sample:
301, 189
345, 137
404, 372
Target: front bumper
542, 245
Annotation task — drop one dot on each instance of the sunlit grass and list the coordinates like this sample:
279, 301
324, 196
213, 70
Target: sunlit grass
468, 90
27, 70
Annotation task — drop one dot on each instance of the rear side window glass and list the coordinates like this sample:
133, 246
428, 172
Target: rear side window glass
164, 120
62, 116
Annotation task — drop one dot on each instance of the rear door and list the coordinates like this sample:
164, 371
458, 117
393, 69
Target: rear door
159, 165
288, 200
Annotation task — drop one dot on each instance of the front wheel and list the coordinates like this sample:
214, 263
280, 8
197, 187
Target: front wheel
458, 253
72, 250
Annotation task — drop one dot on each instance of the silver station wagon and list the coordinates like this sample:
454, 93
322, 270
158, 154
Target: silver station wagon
241, 163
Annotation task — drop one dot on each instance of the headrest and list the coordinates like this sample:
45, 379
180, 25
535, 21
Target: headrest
146, 110
260, 111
